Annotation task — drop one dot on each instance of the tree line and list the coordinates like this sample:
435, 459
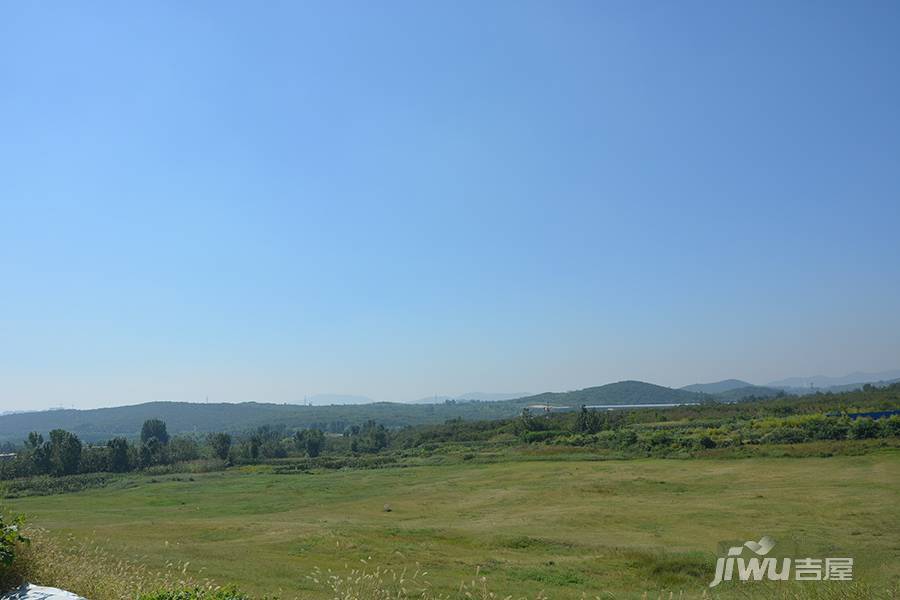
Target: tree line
63, 453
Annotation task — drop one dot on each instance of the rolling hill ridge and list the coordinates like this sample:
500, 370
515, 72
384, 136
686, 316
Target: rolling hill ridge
184, 417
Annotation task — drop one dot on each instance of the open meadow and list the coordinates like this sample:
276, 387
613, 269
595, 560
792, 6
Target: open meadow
564, 527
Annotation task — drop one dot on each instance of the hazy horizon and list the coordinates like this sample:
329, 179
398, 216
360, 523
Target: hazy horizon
205, 201
323, 399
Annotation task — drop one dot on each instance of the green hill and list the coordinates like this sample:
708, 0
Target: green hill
623, 392
184, 417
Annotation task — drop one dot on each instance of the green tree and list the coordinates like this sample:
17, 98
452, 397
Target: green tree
35, 440
183, 449
154, 428
40, 459
117, 449
582, 421
65, 452
153, 452
589, 421
272, 449
374, 437
527, 421
315, 440
220, 444
379, 438
300, 440
370, 437
253, 445
94, 459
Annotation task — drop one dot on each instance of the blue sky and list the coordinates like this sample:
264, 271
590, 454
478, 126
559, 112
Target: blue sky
263, 201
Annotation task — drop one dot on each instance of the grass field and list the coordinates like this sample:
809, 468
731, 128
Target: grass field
564, 527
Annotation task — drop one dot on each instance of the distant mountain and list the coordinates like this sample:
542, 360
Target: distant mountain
749, 391
623, 392
718, 387
479, 396
855, 386
433, 400
492, 396
100, 424
822, 381
732, 390
337, 399
836, 389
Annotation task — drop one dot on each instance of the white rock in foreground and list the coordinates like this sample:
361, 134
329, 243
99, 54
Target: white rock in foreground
38, 592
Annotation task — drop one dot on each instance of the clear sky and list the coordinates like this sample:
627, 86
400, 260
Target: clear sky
259, 201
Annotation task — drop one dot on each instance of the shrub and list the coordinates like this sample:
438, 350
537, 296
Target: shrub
707, 442
785, 435
531, 437
626, 438
46, 485
10, 539
821, 427
891, 427
864, 428
197, 593
661, 439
